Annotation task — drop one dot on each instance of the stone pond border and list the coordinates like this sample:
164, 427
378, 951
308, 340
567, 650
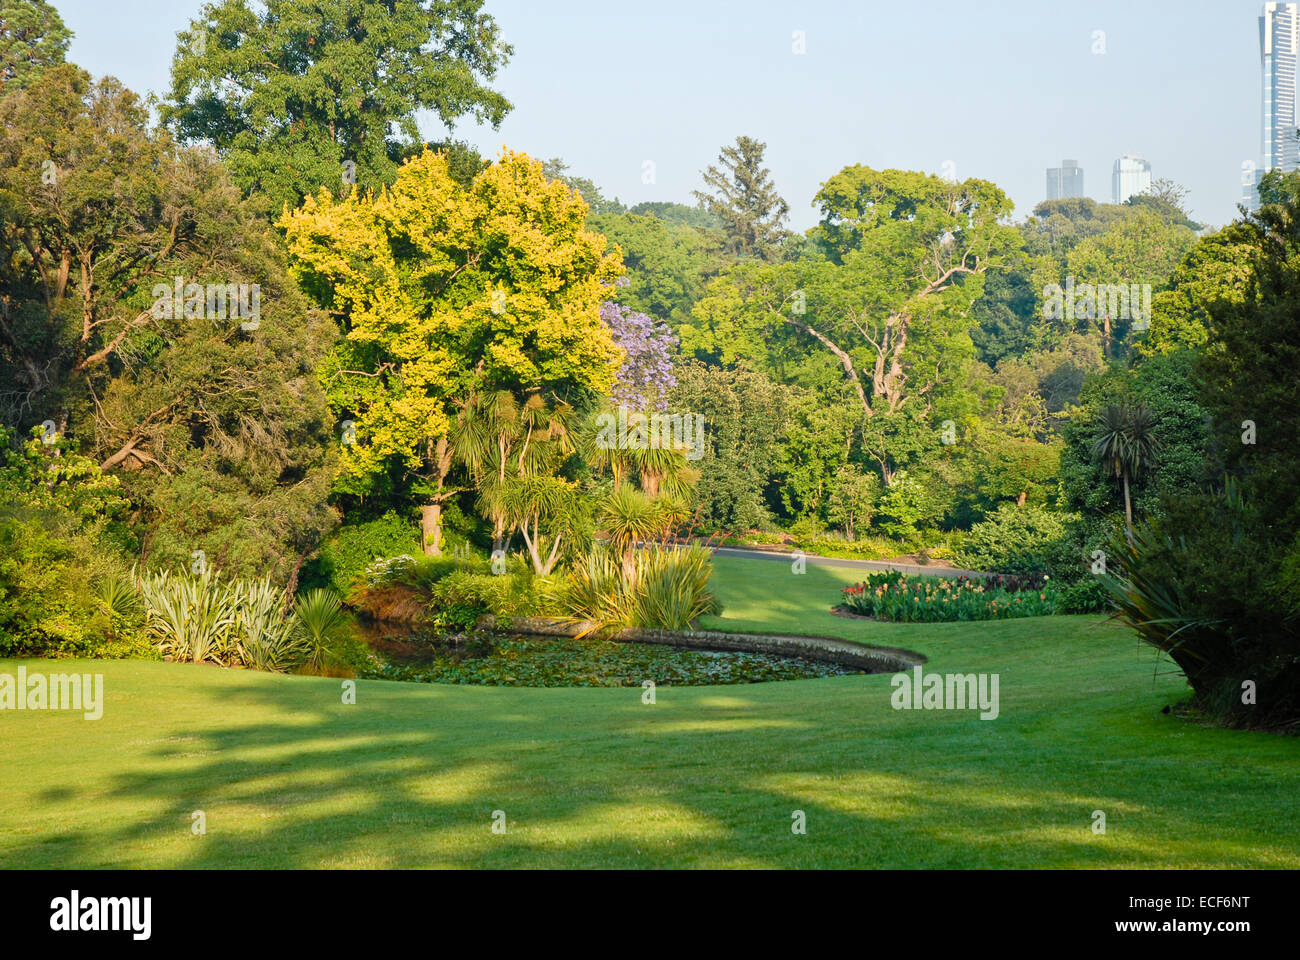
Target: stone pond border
843, 653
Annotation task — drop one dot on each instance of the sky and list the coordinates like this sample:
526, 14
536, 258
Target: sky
640, 96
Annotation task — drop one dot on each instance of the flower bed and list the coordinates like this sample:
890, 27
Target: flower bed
910, 599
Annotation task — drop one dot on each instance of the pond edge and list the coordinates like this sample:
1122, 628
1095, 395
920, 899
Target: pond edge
832, 650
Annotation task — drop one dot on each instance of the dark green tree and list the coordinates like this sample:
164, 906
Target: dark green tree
665, 263
32, 37
1249, 362
203, 400
290, 92
744, 199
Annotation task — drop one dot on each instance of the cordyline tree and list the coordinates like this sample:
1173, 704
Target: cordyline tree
288, 92
445, 294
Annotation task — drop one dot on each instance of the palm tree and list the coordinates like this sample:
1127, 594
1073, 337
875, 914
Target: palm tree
1125, 446
629, 516
502, 441
533, 505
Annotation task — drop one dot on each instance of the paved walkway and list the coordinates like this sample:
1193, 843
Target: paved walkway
869, 565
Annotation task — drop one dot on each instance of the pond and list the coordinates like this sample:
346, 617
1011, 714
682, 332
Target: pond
534, 661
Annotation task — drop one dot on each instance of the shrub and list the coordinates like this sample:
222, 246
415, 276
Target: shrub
807, 526
344, 558
401, 588
904, 505
669, 589
1019, 539
1088, 595
672, 589
51, 601
61, 547
863, 548
459, 599
265, 637
593, 591
196, 618
900, 598
324, 626
192, 616
1201, 586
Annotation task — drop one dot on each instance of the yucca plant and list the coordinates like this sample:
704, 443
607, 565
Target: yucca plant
322, 623
267, 639
118, 600
669, 589
593, 592
672, 588
191, 616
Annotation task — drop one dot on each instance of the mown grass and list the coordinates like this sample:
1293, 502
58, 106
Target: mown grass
409, 776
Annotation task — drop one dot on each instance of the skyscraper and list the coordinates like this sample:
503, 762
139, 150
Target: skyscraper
1065, 181
1279, 43
1132, 175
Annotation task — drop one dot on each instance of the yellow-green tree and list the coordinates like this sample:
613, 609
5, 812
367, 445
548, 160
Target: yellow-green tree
443, 291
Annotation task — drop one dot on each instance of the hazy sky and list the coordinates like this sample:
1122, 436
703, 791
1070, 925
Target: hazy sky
1000, 89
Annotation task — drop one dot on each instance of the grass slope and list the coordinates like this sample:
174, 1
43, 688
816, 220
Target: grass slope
410, 775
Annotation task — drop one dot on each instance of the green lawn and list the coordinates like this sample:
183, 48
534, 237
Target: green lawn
410, 775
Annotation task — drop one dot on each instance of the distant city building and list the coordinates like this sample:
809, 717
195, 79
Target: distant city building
1279, 44
1066, 181
1131, 176
1250, 177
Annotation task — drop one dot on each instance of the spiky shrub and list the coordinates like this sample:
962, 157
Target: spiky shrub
672, 589
266, 638
190, 616
593, 592
117, 598
1201, 586
669, 589
322, 624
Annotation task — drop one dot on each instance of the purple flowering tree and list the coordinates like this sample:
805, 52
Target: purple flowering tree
647, 374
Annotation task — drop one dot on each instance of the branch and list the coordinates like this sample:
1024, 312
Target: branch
113, 344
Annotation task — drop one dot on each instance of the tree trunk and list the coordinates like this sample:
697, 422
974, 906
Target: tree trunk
292, 587
1128, 510
431, 528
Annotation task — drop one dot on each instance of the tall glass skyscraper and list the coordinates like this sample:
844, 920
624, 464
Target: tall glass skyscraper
1065, 181
1131, 176
1279, 43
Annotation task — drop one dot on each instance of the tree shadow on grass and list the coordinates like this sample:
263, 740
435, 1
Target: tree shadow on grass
411, 776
